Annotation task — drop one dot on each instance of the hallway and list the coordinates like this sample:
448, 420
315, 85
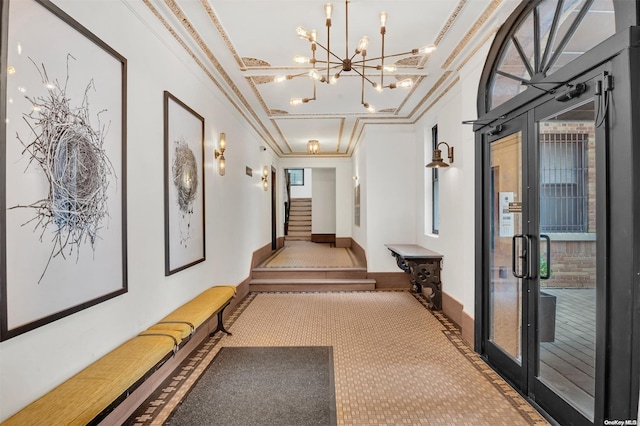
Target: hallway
395, 362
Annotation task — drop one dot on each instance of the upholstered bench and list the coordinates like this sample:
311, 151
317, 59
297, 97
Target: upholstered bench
89, 396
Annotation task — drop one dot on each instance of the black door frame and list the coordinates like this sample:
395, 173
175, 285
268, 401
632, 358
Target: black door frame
618, 371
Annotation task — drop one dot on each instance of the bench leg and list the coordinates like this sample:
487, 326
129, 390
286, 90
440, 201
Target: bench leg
220, 326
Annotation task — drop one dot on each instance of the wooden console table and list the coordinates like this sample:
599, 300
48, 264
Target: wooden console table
424, 266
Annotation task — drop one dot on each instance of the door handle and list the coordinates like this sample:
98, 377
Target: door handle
547, 273
524, 256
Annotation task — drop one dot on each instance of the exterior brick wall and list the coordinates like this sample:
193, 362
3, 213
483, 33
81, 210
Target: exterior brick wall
573, 263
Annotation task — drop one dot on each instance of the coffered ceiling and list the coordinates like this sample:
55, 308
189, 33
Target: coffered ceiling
242, 45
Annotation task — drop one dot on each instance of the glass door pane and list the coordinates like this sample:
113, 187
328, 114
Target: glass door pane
505, 294
567, 291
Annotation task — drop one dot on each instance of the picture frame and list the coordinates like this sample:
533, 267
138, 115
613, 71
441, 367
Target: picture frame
184, 209
63, 228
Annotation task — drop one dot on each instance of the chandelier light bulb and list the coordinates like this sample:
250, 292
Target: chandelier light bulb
279, 79
328, 10
315, 74
390, 68
383, 19
378, 87
363, 44
334, 79
369, 107
429, 48
298, 101
302, 32
407, 82
299, 59
314, 36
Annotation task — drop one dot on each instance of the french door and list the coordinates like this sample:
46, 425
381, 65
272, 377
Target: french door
544, 174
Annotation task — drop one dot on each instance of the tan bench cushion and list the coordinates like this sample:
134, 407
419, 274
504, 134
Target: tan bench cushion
85, 395
198, 310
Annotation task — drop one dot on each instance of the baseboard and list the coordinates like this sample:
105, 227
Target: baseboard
467, 326
264, 252
452, 308
391, 280
359, 252
323, 238
241, 292
343, 242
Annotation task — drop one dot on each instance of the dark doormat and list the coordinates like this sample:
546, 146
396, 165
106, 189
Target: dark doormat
262, 386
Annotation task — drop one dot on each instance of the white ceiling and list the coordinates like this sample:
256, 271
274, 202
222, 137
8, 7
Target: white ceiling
243, 44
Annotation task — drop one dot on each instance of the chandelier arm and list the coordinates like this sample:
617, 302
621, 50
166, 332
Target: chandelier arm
334, 64
329, 52
328, 48
362, 75
393, 55
382, 61
346, 29
364, 58
359, 63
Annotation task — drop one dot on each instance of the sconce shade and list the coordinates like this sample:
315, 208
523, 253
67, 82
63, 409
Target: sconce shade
222, 165
223, 142
436, 160
265, 178
219, 154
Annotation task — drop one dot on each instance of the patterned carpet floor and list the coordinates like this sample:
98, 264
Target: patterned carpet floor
395, 362
305, 254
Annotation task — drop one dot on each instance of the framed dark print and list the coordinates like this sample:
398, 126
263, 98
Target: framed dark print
184, 240
62, 169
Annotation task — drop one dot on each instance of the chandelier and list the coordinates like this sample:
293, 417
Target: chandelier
329, 70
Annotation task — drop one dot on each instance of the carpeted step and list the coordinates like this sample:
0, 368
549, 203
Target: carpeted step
266, 285
309, 273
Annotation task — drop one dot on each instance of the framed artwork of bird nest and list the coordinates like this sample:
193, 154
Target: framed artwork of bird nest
62, 168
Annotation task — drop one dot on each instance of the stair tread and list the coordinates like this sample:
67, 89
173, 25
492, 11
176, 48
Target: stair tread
312, 281
319, 269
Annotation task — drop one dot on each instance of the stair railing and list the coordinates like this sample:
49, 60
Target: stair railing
287, 203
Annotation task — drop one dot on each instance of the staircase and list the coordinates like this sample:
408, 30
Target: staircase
299, 220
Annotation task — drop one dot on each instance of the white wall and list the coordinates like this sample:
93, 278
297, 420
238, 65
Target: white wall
306, 190
359, 161
388, 187
457, 187
237, 210
323, 207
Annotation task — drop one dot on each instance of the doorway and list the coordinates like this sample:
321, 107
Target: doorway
542, 279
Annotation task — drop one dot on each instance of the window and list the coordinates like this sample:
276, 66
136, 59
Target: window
435, 187
296, 177
553, 34
563, 182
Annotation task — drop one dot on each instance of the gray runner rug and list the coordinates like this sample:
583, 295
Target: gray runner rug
262, 386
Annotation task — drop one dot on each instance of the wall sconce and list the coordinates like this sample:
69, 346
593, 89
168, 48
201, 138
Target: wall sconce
436, 160
220, 153
265, 178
